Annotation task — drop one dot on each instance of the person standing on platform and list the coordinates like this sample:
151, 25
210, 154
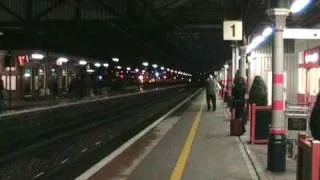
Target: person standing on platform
212, 87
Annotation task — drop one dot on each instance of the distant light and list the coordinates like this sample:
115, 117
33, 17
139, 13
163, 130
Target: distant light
136, 70
63, 59
226, 66
115, 59
53, 70
118, 67
141, 78
128, 68
168, 69
37, 56
1, 33
157, 74
90, 70
145, 64
106, 65
97, 64
299, 5
267, 32
154, 65
162, 68
100, 77
82, 62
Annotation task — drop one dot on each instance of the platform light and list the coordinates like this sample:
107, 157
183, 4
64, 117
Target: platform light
259, 39
299, 5
105, 65
37, 56
154, 65
97, 65
115, 59
90, 70
82, 62
145, 64
63, 59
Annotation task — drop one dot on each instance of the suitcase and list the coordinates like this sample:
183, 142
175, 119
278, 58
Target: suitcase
236, 127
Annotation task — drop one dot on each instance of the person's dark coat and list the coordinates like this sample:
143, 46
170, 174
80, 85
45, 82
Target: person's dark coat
315, 119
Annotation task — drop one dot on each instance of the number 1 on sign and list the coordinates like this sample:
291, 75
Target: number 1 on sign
233, 30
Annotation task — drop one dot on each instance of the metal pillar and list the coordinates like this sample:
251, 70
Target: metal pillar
237, 60
243, 50
277, 140
249, 78
233, 62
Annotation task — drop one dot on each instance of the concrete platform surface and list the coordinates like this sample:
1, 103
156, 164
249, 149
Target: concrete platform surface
258, 153
194, 144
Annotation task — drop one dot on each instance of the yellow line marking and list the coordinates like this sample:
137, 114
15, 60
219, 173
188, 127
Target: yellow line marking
182, 161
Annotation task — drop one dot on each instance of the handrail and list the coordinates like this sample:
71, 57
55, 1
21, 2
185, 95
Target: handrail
86, 101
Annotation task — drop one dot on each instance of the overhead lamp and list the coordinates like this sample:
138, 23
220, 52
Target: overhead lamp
128, 68
226, 66
97, 65
82, 62
162, 68
145, 64
154, 65
115, 59
267, 32
118, 67
168, 69
37, 56
90, 70
106, 65
136, 70
299, 5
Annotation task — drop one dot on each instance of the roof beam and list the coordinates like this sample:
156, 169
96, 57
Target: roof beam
49, 9
203, 26
10, 11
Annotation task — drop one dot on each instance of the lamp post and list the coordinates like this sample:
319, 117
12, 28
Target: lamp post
277, 138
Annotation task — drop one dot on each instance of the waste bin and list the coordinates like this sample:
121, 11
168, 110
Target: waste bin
277, 153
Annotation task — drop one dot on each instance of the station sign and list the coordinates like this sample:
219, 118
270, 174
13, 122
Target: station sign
312, 56
232, 30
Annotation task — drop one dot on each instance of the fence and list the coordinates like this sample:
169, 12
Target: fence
308, 164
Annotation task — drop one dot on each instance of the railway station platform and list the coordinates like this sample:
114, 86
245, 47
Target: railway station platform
192, 143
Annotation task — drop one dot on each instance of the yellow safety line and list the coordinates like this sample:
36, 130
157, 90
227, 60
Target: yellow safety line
184, 155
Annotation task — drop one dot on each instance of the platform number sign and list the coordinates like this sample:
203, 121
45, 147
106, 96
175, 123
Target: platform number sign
232, 30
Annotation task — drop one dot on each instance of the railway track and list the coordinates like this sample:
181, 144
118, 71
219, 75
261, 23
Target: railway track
68, 151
